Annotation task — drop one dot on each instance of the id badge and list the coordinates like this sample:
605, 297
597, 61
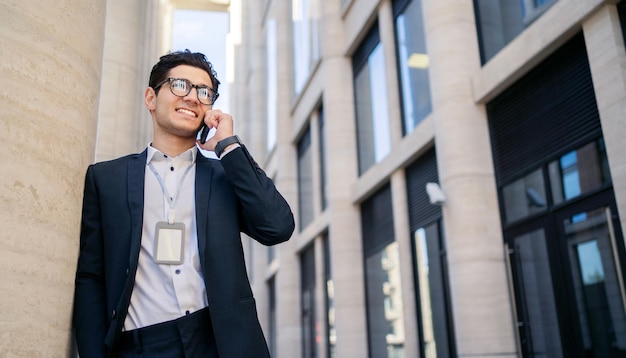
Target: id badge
169, 244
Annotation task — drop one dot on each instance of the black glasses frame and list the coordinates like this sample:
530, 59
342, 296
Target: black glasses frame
211, 99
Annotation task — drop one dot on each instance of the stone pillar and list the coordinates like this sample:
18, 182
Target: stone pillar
121, 105
607, 61
51, 65
480, 299
288, 276
344, 219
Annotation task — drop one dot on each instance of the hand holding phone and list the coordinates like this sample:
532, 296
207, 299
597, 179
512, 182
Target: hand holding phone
221, 122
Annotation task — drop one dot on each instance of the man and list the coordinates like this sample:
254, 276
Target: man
161, 271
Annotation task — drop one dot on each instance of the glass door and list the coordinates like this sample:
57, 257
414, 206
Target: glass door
596, 284
567, 272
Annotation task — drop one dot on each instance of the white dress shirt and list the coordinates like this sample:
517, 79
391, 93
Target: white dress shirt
165, 292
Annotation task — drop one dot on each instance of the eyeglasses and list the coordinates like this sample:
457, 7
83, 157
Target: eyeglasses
181, 87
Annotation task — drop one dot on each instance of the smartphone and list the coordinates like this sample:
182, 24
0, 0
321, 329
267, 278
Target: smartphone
204, 133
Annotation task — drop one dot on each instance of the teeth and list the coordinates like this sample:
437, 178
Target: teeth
182, 110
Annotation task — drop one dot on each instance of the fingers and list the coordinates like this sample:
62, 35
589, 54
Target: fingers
222, 122
223, 125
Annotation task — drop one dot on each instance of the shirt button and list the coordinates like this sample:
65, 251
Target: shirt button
178, 272
187, 312
172, 168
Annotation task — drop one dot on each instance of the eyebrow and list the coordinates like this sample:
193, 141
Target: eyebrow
201, 84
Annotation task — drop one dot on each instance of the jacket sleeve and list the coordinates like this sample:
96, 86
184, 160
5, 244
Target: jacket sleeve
266, 215
89, 296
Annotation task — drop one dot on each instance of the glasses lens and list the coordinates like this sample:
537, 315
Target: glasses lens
204, 94
179, 87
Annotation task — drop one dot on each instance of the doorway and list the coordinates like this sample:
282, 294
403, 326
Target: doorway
567, 269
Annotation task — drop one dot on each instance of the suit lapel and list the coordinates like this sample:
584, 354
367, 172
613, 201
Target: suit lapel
202, 189
136, 184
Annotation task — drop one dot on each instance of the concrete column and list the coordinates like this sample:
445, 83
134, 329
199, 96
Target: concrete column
121, 103
404, 239
345, 225
480, 299
256, 121
288, 276
607, 61
50, 69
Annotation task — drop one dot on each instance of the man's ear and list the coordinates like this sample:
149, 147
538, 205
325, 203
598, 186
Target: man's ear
150, 98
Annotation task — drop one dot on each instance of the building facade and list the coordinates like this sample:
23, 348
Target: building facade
455, 167
457, 172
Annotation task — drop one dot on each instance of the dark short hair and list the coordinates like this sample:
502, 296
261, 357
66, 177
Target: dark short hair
196, 59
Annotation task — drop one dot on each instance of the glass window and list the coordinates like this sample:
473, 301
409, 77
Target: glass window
579, 171
330, 301
384, 303
382, 274
310, 324
539, 327
500, 21
596, 276
434, 307
524, 197
272, 315
305, 17
372, 110
272, 76
413, 65
305, 180
323, 158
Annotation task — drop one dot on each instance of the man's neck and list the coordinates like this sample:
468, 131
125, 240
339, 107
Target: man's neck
173, 148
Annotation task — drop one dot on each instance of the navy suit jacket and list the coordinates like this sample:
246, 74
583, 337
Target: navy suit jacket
232, 196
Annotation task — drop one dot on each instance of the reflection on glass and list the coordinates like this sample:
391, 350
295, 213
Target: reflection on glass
372, 111
413, 67
500, 21
330, 301
305, 16
435, 333
578, 172
430, 346
384, 303
590, 263
596, 285
537, 309
524, 197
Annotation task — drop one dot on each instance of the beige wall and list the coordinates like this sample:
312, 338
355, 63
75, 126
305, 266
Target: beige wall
134, 41
50, 69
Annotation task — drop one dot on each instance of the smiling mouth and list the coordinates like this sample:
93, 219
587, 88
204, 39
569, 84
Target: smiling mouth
187, 112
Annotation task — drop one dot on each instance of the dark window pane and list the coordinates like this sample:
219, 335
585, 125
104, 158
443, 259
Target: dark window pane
323, 158
308, 302
382, 275
305, 180
331, 340
524, 197
578, 172
540, 329
500, 21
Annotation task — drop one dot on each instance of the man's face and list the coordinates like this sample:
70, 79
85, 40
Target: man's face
179, 116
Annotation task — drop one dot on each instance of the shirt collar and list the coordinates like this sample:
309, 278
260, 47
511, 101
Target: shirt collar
156, 155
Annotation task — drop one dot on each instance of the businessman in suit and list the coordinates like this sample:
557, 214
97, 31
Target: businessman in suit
161, 271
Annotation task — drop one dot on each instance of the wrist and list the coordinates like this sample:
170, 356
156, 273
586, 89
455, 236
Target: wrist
226, 143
